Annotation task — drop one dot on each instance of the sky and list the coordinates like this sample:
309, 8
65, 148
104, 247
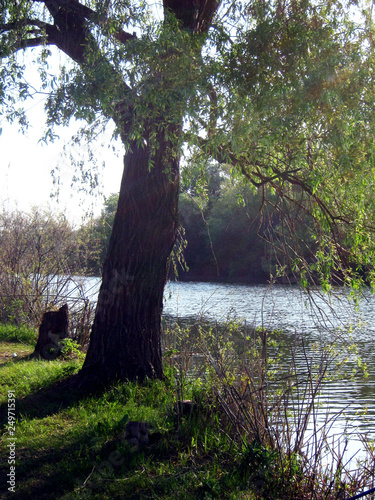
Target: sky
26, 164
26, 179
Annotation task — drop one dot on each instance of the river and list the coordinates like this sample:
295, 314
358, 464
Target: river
312, 316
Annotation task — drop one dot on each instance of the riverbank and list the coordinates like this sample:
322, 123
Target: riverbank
218, 443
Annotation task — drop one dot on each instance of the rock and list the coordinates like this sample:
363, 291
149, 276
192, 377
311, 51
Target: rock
137, 433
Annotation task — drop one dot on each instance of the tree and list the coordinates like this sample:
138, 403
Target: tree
280, 91
97, 235
236, 231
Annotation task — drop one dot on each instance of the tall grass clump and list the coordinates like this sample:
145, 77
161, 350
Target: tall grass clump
23, 333
267, 401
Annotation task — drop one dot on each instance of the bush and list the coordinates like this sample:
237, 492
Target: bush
264, 406
40, 253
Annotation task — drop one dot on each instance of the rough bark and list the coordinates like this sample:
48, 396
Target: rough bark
126, 335
125, 338
194, 15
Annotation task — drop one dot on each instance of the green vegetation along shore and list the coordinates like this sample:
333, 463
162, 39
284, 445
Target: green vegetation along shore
69, 444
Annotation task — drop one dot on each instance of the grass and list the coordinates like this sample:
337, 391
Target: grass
8, 349
75, 447
71, 445
18, 334
78, 450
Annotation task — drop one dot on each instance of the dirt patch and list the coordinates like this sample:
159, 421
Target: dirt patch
8, 350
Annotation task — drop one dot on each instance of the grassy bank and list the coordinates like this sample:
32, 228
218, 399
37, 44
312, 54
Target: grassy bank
71, 445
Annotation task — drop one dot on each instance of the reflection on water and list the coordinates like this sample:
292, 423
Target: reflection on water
312, 316
282, 307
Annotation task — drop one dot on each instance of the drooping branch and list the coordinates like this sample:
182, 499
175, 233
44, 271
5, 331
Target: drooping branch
42, 34
214, 115
74, 38
254, 172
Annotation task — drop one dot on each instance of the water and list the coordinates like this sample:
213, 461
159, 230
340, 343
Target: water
315, 318
311, 316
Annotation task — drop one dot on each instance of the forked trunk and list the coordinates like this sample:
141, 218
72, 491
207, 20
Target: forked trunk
125, 338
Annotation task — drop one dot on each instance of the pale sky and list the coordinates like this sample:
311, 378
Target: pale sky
25, 173
26, 165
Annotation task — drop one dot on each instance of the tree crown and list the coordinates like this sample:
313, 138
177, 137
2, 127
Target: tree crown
281, 92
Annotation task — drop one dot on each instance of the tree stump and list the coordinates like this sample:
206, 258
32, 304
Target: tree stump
52, 330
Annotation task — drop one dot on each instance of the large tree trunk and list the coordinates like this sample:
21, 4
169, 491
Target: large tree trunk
125, 338
126, 334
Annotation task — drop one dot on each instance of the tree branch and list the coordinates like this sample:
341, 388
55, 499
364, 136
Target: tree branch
82, 11
70, 32
46, 34
22, 24
224, 155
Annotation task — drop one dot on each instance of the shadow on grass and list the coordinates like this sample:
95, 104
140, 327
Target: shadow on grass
93, 465
79, 470
9, 359
51, 399
49, 473
90, 464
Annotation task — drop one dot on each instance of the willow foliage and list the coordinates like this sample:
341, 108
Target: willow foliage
281, 92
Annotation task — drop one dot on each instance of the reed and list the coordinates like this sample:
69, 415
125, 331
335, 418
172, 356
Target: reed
231, 420
268, 404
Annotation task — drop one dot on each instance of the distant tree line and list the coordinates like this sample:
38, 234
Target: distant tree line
228, 231
43, 254
40, 255
223, 237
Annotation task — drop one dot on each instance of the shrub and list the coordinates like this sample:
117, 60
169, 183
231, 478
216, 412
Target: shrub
39, 256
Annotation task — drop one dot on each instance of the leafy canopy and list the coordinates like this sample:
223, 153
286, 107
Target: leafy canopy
281, 92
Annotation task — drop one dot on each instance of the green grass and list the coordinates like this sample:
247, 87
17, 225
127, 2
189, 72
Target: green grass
8, 349
22, 334
29, 376
70, 445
